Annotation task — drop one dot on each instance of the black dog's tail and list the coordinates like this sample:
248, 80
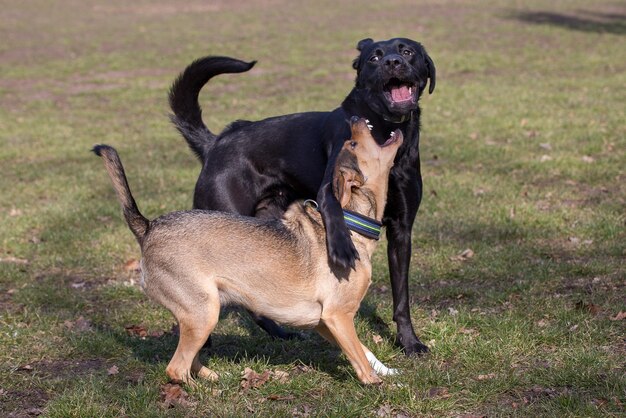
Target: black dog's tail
137, 223
184, 93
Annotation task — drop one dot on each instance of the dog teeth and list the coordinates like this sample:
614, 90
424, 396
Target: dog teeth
370, 126
392, 134
410, 90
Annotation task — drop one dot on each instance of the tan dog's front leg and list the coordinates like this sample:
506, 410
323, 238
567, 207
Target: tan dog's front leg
377, 365
339, 329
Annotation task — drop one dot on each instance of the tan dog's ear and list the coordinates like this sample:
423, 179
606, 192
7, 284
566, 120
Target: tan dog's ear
346, 176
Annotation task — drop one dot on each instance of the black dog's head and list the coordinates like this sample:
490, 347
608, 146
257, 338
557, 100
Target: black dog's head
393, 74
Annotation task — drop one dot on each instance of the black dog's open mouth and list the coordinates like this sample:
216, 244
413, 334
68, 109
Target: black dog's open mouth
400, 92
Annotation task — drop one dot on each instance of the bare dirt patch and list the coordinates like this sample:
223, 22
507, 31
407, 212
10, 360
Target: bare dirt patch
22, 403
64, 368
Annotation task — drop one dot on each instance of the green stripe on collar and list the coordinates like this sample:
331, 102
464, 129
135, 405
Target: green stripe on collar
363, 225
356, 222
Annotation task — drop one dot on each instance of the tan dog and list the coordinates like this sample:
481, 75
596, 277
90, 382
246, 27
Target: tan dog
195, 261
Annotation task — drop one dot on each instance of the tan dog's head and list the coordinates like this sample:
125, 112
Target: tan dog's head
363, 165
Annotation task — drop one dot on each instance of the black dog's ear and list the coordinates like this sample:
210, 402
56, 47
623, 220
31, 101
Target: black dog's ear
363, 43
431, 73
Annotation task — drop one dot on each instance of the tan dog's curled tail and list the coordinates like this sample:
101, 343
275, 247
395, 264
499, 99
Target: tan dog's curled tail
137, 223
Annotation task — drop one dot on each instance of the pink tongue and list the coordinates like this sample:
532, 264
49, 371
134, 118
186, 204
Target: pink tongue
400, 94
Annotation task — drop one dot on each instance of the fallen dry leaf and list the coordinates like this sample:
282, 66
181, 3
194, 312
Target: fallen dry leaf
82, 325
15, 212
600, 402
14, 260
537, 392
135, 377
25, 368
252, 379
173, 394
468, 331
384, 411
588, 159
619, 317
136, 330
302, 368
488, 376
281, 398
377, 339
280, 376
132, 265
113, 370
463, 255
588, 307
438, 392
542, 323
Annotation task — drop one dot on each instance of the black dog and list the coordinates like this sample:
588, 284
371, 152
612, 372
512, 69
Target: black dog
259, 168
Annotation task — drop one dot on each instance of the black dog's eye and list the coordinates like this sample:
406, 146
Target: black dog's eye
353, 144
407, 52
374, 58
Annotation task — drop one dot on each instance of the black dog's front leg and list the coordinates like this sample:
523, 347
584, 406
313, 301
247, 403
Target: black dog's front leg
403, 202
341, 249
399, 254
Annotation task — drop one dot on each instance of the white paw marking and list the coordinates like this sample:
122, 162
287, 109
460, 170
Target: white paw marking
379, 367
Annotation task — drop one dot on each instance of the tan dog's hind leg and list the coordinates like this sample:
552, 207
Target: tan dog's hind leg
195, 328
339, 329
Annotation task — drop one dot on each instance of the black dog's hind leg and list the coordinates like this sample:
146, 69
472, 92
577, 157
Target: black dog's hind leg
273, 329
273, 207
401, 210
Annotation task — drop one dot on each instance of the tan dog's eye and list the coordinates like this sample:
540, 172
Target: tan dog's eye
353, 144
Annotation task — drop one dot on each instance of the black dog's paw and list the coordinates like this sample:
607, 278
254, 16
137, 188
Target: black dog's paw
414, 348
342, 251
289, 335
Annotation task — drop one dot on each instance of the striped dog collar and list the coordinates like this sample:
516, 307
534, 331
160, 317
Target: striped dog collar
358, 223
363, 225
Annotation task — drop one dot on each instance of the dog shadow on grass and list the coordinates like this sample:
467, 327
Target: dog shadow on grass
581, 20
248, 343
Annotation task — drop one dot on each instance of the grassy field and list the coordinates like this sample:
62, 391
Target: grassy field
523, 152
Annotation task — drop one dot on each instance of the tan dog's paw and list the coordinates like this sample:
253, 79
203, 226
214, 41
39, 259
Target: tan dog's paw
371, 379
208, 374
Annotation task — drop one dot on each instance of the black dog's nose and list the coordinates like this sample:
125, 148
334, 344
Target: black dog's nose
393, 61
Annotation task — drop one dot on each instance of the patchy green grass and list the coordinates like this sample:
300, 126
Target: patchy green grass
523, 151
